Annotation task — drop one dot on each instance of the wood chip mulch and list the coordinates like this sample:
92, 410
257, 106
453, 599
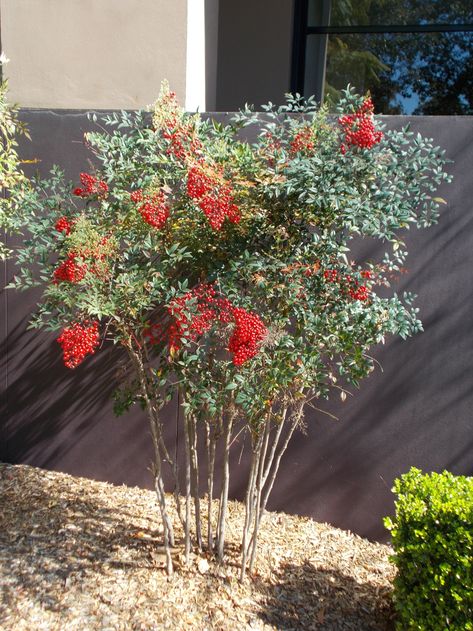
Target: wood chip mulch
82, 555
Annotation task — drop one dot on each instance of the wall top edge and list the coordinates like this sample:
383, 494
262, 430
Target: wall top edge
83, 112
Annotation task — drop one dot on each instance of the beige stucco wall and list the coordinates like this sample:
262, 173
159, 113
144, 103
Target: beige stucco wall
93, 53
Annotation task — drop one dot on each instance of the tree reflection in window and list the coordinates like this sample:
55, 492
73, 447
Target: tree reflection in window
406, 72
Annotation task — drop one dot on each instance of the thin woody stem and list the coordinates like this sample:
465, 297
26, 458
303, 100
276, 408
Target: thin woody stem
195, 479
166, 455
168, 535
155, 433
248, 512
188, 491
274, 447
270, 468
210, 444
262, 457
174, 468
222, 514
296, 419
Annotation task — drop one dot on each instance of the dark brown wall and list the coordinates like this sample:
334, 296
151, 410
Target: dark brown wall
417, 411
254, 52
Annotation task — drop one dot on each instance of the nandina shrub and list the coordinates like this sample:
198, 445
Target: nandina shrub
223, 269
432, 536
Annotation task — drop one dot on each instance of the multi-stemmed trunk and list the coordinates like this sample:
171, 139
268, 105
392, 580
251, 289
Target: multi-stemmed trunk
268, 444
268, 447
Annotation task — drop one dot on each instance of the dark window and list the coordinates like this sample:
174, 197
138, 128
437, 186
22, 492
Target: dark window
413, 56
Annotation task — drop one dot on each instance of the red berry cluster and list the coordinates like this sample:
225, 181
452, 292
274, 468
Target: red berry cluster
271, 147
99, 252
63, 225
136, 196
153, 208
177, 139
303, 141
77, 341
359, 128
358, 292
74, 269
210, 308
332, 276
92, 186
247, 335
213, 194
180, 135
71, 270
349, 285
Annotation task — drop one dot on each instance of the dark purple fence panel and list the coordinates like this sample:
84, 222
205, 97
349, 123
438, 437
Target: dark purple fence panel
417, 411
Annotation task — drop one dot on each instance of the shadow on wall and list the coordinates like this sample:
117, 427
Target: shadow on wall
51, 410
62, 419
51, 416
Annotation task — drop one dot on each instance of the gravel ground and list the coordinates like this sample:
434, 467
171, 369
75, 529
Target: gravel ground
82, 555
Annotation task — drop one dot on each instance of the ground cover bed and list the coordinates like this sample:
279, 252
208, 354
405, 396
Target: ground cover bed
78, 554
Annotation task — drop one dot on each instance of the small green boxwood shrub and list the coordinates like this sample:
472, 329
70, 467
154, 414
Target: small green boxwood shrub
432, 536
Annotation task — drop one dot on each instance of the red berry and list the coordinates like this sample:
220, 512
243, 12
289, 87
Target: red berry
92, 186
359, 129
206, 309
348, 285
70, 270
213, 194
182, 141
153, 334
77, 341
154, 210
247, 335
136, 196
63, 225
303, 141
